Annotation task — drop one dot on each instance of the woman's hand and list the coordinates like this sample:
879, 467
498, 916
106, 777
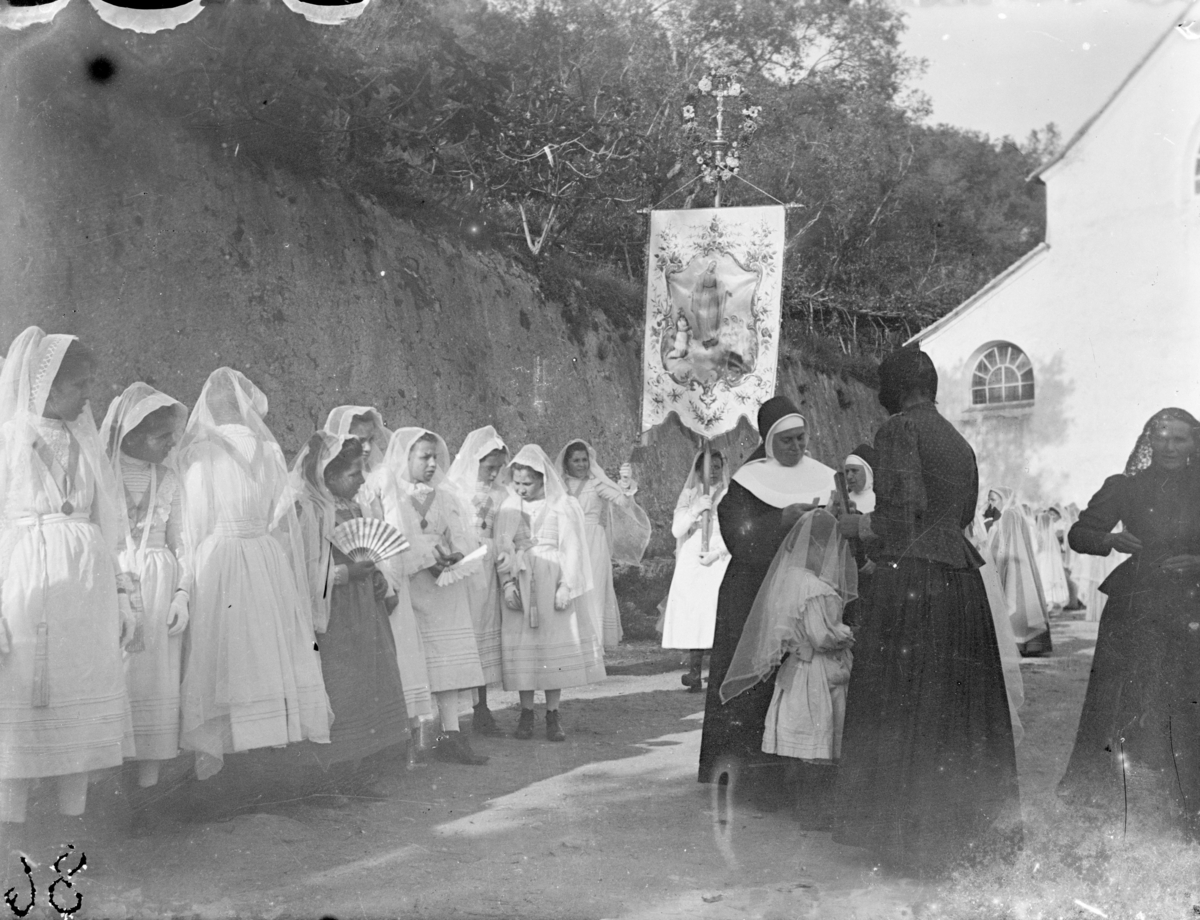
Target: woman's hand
1182, 565
379, 584
1123, 542
849, 525
562, 597
792, 513
512, 597
357, 571
710, 557
177, 615
700, 504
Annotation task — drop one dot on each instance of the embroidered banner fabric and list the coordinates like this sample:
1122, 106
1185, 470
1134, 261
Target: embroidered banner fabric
712, 316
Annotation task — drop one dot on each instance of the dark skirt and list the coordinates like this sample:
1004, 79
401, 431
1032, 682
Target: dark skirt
733, 731
928, 773
362, 678
1140, 724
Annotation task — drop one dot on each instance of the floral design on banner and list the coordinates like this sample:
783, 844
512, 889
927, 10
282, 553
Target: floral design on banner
712, 315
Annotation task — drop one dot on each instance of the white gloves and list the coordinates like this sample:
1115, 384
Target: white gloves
562, 597
512, 596
177, 616
710, 557
131, 634
700, 504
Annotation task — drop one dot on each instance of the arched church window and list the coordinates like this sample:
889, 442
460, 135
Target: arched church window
1003, 375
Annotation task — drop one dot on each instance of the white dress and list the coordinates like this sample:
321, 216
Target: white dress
253, 673
483, 586
592, 496
691, 612
443, 614
153, 675
57, 569
410, 650
545, 648
808, 709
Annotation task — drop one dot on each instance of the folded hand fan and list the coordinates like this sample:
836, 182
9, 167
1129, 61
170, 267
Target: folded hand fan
368, 539
461, 569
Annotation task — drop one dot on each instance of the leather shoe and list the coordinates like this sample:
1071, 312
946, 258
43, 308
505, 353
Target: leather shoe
554, 730
484, 722
453, 747
525, 725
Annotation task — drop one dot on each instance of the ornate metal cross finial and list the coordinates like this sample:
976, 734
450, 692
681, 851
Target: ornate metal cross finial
719, 154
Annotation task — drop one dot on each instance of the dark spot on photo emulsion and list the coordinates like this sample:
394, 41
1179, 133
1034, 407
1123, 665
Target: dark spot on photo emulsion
101, 69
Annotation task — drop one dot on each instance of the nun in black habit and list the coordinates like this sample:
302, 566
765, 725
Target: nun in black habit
769, 493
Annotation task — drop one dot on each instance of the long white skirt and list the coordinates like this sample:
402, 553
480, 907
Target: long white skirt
602, 599
62, 567
691, 614
253, 673
483, 592
410, 652
153, 675
444, 620
562, 651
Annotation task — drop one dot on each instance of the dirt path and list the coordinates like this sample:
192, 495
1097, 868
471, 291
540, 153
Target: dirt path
609, 824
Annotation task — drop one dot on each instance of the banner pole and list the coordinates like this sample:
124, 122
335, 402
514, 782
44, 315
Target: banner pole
707, 491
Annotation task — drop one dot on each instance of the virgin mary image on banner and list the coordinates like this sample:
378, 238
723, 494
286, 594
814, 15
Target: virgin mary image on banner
712, 315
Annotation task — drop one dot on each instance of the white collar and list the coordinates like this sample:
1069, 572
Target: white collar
780, 486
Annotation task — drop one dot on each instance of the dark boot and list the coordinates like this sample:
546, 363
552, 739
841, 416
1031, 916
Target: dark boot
483, 722
692, 679
453, 747
554, 730
525, 725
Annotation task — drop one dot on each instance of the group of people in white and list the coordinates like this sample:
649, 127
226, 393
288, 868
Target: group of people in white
168, 585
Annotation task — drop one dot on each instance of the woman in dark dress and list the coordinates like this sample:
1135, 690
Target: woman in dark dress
1140, 727
350, 612
768, 495
928, 770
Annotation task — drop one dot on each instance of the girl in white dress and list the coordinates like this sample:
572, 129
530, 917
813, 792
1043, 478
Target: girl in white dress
64, 710
419, 502
478, 474
140, 429
691, 612
796, 625
549, 641
618, 529
252, 676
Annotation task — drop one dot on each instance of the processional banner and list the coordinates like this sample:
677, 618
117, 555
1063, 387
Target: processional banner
712, 315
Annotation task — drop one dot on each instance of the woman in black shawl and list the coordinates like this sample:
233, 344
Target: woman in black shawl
1140, 725
769, 493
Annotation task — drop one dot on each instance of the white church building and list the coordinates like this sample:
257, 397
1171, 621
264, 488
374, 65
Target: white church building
1054, 366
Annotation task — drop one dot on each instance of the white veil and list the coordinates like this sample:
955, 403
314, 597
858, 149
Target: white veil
627, 524
26, 376
229, 398
341, 418
574, 563
315, 513
124, 414
813, 545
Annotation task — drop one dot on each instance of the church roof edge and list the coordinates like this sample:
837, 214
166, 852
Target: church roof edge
983, 293
1087, 125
